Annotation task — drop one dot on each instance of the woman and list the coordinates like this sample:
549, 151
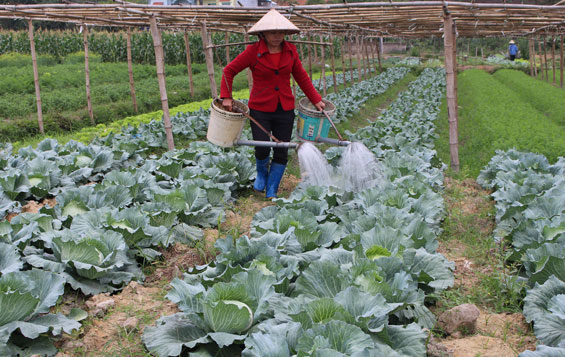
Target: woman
272, 60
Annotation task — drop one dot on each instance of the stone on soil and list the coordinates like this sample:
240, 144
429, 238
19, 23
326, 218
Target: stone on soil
462, 318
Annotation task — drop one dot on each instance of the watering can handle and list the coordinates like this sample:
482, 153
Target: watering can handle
333, 125
236, 109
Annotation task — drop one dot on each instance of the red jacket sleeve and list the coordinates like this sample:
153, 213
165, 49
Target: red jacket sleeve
241, 62
304, 81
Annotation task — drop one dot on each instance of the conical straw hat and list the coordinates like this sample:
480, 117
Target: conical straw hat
273, 21
511, 41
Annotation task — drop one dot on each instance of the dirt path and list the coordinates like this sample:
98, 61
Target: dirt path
468, 243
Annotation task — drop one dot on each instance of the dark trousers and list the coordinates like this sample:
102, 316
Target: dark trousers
512, 57
279, 124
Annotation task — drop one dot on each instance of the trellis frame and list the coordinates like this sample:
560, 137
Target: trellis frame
381, 19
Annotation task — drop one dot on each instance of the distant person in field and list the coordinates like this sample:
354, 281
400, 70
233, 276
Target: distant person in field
512, 50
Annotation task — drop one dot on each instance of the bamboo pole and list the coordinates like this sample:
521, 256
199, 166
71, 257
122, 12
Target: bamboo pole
130, 70
367, 63
316, 58
379, 50
553, 59
545, 60
333, 62
530, 61
227, 48
35, 77
372, 47
209, 60
323, 74
540, 60
561, 62
534, 57
343, 68
160, 64
359, 57
350, 42
188, 63
248, 72
87, 74
448, 40
310, 57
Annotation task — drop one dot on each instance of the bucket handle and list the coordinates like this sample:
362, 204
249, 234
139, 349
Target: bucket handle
333, 125
237, 110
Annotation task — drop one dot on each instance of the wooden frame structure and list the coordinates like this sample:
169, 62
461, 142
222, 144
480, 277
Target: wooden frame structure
416, 19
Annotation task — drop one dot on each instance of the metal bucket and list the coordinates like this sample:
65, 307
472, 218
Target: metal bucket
312, 124
224, 127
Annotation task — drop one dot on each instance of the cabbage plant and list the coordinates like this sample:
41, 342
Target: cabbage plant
93, 261
25, 299
220, 315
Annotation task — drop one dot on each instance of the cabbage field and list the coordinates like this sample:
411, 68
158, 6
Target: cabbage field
319, 272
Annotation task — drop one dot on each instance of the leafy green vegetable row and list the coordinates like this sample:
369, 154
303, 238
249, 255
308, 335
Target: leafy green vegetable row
115, 202
530, 203
328, 271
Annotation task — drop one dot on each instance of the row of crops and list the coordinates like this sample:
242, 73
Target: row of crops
530, 215
329, 272
116, 205
112, 47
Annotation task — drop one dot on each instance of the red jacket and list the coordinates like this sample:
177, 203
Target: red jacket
270, 85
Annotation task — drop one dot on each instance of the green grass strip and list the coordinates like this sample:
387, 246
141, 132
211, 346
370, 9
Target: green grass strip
543, 96
86, 135
494, 117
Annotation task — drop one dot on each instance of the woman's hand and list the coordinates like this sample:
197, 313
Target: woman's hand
320, 105
228, 104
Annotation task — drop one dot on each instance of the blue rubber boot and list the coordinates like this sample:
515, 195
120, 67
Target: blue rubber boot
262, 173
274, 179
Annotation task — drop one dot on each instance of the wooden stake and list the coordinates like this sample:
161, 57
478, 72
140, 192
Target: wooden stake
130, 70
449, 44
530, 61
534, 57
35, 77
372, 47
553, 59
561, 62
379, 50
359, 57
227, 48
367, 63
310, 58
160, 64
343, 68
87, 74
540, 60
249, 74
316, 58
209, 55
333, 62
545, 60
188, 63
323, 74
350, 42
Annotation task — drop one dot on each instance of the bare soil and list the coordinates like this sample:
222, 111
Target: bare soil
497, 335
